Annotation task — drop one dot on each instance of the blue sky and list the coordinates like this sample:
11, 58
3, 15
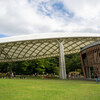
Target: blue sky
20, 17
1, 36
56, 7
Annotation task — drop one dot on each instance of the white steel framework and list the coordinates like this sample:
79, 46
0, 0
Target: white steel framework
36, 46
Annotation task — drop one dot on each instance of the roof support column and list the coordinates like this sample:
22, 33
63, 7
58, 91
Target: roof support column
62, 68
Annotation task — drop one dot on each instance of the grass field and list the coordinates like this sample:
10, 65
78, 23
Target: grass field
47, 89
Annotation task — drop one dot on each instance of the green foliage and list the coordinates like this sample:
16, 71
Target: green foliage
4, 67
73, 62
48, 65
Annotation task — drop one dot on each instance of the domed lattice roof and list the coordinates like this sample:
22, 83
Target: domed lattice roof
35, 46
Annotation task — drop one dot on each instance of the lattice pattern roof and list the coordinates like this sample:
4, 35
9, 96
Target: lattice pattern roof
37, 46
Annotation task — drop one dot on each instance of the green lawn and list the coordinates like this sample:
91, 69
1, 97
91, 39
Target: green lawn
47, 89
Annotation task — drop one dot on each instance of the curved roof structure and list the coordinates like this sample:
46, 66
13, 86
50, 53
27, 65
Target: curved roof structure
91, 45
35, 46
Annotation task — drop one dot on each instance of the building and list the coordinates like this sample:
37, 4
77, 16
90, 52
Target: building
90, 58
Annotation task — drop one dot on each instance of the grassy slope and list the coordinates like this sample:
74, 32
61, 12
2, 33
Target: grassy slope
37, 89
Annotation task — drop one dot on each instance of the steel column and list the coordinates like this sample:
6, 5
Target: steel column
62, 68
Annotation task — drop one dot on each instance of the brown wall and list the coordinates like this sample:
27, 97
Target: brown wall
92, 58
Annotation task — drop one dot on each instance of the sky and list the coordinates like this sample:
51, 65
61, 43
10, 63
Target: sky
23, 17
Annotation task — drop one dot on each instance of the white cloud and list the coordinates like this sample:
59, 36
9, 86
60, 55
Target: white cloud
23, 17
87, 11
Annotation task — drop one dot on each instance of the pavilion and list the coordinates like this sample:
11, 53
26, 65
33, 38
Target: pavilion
37, 46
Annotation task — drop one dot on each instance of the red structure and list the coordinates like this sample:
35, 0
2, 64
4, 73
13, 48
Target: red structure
90, 59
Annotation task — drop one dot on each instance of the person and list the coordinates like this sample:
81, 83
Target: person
35, 74
47, 76
12, 75
69, 76
96, 78
79, 75
7, 75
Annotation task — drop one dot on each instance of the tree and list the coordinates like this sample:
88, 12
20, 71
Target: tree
47, 65
72, 62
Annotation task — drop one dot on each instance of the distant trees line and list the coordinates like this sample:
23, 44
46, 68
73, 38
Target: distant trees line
48, 65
